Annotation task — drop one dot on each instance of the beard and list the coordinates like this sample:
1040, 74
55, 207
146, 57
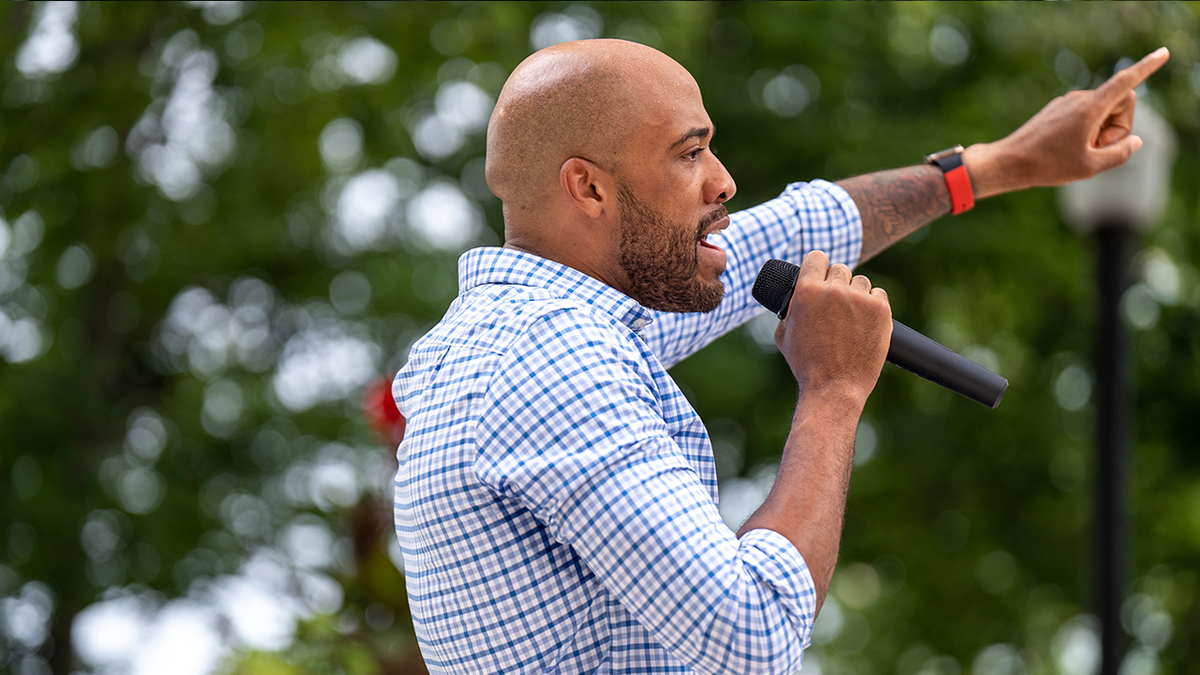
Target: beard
661, 261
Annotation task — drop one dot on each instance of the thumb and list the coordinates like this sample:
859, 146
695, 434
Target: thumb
1116, 154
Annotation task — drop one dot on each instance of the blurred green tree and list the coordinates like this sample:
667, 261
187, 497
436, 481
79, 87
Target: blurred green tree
221, 222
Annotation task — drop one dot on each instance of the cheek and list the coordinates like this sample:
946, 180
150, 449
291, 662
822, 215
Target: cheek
683, 185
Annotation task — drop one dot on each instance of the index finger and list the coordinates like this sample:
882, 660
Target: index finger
1125, 80
815, 263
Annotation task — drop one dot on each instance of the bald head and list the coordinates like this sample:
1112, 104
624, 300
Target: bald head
583, 99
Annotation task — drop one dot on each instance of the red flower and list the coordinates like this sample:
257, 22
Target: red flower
381, 413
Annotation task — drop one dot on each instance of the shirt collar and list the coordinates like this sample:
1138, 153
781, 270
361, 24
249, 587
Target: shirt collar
491, 265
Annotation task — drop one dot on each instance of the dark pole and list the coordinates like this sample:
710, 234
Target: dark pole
1112, 423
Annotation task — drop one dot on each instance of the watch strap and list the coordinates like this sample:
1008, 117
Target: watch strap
962, 197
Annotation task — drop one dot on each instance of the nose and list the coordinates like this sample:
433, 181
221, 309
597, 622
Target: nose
720, 187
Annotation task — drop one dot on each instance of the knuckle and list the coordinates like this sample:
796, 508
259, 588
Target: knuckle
807, 291
806, 285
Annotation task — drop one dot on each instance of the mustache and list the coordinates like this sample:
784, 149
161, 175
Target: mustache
705, 222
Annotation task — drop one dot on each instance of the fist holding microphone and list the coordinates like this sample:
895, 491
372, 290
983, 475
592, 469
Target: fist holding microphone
834, 329
856, 338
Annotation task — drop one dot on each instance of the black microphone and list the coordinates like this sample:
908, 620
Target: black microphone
909, 349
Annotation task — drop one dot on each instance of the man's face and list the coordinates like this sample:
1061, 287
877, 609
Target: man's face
671, 192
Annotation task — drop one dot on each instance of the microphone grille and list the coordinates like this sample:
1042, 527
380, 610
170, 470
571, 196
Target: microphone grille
774, 284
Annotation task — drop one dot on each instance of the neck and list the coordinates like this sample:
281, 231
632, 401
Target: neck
587, 257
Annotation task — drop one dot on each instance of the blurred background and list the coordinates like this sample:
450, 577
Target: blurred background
222, 224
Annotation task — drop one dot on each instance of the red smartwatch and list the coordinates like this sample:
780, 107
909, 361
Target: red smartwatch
962, 198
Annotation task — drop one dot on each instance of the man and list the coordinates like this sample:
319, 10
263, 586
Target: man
556, 497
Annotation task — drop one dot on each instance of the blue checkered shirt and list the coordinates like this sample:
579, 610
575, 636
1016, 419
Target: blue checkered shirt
556, 501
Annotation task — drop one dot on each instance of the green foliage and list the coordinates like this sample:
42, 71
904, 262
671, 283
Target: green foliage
172, 405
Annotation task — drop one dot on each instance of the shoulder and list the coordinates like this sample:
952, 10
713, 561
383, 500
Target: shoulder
565, 338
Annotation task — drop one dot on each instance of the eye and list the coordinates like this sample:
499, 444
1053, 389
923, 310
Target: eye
694, 154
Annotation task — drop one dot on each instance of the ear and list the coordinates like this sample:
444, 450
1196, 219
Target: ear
586, 186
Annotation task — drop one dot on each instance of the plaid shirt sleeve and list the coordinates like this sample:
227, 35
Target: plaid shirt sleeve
816, 216
572, 429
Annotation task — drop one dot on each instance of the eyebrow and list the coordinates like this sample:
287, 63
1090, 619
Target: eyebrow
697, 132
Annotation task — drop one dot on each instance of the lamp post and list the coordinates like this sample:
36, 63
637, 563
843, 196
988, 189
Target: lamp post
1113, 207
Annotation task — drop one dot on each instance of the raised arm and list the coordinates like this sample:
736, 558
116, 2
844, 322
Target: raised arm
1074, 136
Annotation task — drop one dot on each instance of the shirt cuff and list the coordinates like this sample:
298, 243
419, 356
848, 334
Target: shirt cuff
780, 566
834, 224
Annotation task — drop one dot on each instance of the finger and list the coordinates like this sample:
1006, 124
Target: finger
839, 273
1111, 135
880, 292
1125, 80
861, 283
1120, 122
1116, 154
815, 264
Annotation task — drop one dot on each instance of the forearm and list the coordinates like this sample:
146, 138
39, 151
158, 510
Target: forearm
896, 203
1074, 136
808, 501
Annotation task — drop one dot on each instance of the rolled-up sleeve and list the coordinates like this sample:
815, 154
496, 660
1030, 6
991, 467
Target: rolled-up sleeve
722, 605
570, 428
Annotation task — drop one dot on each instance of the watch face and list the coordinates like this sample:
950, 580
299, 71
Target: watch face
942, 154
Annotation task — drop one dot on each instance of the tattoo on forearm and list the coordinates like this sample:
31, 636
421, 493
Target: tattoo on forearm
893, 204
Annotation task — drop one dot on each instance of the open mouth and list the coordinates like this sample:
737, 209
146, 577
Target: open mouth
721, 224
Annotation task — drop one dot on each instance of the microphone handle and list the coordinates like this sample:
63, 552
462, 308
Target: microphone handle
773, 289
928, 359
